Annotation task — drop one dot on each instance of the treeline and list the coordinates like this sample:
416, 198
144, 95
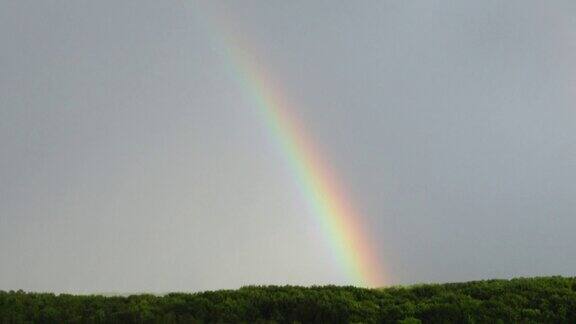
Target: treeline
525, 300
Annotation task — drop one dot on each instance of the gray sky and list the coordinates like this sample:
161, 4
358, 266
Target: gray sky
131, 161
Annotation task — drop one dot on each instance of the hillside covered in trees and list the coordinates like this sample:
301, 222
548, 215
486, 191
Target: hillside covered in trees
524, 300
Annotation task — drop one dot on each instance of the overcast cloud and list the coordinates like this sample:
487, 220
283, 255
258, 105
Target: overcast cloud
130, 159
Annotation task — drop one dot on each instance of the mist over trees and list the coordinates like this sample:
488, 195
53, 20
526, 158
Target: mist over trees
524, 300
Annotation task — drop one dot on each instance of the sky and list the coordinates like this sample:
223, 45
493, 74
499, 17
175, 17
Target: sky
132, 159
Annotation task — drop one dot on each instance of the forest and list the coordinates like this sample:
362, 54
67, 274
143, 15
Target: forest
521, 300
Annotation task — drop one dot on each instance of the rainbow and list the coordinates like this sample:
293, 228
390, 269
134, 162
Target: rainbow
334, 212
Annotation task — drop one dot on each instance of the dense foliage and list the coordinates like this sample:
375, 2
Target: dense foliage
530, 300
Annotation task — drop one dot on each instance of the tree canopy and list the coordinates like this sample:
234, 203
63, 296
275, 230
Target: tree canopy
523, 300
